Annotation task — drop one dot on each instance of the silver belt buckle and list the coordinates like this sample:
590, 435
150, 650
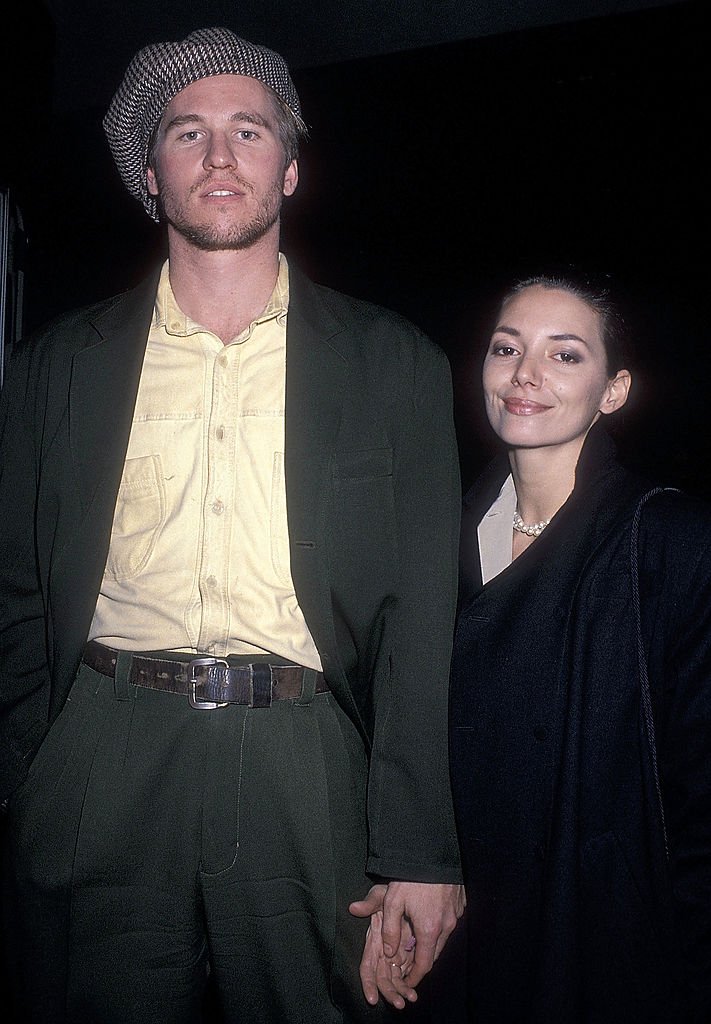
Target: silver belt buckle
203, 705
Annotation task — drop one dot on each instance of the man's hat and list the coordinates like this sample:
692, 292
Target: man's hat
159, 71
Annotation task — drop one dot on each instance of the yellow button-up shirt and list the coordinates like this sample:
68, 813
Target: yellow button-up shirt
199, 552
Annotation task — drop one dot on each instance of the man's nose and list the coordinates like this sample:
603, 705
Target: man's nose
219, 153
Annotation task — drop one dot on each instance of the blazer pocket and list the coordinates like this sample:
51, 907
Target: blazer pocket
363, 464
363, 481
138, 518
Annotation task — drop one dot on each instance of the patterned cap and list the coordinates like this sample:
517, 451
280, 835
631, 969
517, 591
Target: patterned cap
159, 71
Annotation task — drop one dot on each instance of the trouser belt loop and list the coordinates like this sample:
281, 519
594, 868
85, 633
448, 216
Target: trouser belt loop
308, 687
261, 685
123, 667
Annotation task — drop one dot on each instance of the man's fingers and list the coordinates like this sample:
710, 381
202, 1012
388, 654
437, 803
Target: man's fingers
372, 903
392, 924
425, 955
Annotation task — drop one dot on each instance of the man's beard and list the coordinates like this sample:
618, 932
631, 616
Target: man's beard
213, 238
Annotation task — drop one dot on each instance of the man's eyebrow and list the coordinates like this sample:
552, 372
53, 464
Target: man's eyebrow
239, 116
251, 118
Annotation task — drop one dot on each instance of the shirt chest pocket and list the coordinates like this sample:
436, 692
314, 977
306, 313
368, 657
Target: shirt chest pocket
138, 517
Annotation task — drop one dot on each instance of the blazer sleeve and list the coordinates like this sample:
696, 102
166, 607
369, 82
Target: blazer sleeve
24, 673
412, 831
678, 568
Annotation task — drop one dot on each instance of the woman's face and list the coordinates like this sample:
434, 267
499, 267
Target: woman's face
545, 372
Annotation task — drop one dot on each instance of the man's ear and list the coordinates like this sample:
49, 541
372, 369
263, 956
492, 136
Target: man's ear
152, 182
616, 392
291, 178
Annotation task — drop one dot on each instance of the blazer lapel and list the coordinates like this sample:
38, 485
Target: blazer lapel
316, 376
103, 390
102, 395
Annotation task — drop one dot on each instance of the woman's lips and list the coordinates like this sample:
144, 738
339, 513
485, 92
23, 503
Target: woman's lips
524, 407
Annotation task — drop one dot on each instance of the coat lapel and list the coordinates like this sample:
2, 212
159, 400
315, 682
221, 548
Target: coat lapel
102, 395
316, 376
103, 390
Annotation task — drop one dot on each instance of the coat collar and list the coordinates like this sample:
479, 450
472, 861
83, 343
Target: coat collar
598, 460
603, 495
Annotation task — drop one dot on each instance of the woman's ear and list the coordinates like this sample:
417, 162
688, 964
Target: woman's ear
616, 392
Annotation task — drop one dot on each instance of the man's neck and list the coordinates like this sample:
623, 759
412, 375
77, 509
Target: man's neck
223, 291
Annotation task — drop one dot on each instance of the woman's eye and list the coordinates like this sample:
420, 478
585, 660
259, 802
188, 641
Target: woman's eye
566, 357
503, 350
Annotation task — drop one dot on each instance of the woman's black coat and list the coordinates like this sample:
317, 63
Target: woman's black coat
575, 914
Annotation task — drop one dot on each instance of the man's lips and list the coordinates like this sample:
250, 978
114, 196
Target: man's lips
221, 190
524, 407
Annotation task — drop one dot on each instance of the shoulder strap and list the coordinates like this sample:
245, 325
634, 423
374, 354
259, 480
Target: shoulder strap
646, 695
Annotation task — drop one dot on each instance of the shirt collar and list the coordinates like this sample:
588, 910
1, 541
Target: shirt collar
168, 314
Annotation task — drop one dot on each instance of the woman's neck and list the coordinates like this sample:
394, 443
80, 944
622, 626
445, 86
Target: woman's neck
543, 478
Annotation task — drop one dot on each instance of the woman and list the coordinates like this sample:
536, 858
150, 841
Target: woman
583, 803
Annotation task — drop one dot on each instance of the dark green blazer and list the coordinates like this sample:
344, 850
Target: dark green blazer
373, 508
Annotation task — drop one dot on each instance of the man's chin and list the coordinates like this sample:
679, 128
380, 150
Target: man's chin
209, 240
221, 238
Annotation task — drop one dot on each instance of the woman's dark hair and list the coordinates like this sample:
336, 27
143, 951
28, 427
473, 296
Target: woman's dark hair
594, 293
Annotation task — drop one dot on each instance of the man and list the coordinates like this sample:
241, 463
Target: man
227, 586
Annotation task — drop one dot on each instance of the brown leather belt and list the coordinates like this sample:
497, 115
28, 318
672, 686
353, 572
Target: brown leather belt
207, 682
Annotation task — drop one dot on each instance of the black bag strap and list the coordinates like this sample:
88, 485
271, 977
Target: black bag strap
646, 695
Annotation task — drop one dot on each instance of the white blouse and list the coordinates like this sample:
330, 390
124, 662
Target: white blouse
495, 533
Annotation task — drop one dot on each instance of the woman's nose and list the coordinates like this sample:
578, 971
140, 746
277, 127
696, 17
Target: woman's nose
527, 371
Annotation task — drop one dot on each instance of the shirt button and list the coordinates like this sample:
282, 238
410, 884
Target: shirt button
220, 433
211, 581
218, 507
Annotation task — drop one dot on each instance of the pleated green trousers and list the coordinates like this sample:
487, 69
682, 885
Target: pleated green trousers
154, 845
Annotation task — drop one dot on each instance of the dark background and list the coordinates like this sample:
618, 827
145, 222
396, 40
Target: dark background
452, 145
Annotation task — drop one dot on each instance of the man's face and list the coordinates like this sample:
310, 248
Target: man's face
218, 164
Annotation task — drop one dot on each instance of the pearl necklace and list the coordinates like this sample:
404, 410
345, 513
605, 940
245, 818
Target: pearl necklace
530, 529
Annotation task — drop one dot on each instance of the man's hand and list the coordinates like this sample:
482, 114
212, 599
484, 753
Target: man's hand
409, 925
